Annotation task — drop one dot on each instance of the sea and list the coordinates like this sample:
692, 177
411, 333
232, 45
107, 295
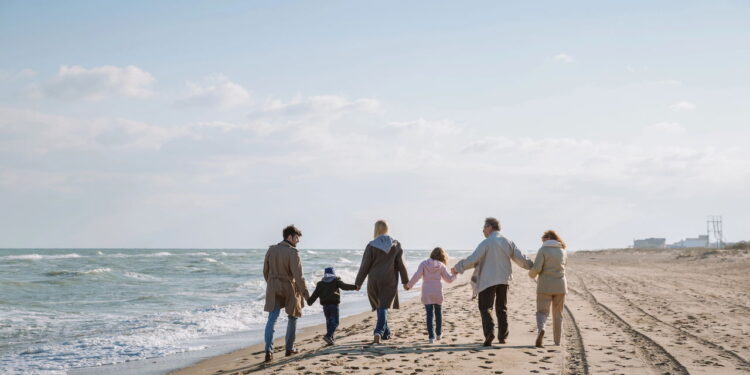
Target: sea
147, 311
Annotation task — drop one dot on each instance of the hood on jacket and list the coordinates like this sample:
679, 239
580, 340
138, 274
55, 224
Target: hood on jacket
552, 243
383, 242
432, 265
328, 278
329, 275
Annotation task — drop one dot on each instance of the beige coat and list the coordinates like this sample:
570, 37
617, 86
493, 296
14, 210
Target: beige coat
285, 287
492, 262
550, 266
382, 269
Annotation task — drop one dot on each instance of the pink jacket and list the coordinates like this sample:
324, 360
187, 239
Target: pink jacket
432, 289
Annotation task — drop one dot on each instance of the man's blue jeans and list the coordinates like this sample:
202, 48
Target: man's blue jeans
438, 312
291, 328
381, 327
331, 313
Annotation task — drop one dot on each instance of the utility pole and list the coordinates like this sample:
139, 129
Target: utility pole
714, 228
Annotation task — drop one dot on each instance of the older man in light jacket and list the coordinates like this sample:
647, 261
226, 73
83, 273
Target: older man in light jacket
491, 259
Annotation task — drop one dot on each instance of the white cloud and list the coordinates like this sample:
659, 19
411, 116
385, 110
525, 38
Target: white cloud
8, 75
215, 91
682, 106
328, 105
423, 127
30, 131
77, 82
665, 127
564, 58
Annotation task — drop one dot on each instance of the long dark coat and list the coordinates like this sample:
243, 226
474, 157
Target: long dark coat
382, 271
286, 287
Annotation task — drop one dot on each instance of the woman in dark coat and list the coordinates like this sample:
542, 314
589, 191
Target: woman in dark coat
382, 263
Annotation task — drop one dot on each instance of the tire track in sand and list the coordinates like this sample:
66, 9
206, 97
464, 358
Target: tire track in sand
741, 363
575, 361
650, 352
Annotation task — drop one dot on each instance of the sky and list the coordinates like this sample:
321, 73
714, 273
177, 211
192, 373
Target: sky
194, 124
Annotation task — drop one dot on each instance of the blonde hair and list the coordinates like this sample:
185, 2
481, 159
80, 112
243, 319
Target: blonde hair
381, 228
440, 255
552, 235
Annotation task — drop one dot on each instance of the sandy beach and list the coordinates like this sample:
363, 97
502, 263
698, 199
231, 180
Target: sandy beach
629, 312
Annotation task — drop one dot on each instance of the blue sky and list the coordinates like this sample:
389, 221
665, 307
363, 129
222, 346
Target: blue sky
213, 124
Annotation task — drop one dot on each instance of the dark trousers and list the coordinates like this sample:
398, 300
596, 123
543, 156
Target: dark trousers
438, 312
331, 313
497, 295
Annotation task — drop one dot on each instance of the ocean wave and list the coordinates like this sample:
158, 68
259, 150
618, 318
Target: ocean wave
140, 276
159, 254
210, 260
79, 273
148, 336
40, 256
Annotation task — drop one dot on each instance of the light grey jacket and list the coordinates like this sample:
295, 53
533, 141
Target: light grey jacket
492, 261
550, 266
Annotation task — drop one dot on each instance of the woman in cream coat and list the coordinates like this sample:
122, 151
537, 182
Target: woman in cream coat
551, 288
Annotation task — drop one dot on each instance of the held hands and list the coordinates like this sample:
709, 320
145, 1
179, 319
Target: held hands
453, 270
406, 287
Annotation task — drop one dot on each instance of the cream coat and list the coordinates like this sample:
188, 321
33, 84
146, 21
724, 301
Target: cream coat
550, 266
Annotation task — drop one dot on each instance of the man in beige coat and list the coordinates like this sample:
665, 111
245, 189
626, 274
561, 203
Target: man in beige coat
285, 288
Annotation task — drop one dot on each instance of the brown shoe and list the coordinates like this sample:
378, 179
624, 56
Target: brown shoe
292, 352
539, 338
269, 357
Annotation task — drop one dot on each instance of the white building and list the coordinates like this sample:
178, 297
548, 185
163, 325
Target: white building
650, 243
701, 241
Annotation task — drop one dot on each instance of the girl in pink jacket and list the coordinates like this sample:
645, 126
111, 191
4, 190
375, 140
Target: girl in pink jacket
433, 270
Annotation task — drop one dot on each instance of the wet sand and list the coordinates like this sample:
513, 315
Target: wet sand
628, 312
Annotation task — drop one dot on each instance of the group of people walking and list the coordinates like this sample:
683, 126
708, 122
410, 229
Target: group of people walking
383, 266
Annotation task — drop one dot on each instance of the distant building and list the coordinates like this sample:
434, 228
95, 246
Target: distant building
650, 243
701, 241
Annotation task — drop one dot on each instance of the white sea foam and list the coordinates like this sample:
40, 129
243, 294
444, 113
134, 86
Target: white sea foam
79, 273
210, 260
39, 256
149, 336
140, 276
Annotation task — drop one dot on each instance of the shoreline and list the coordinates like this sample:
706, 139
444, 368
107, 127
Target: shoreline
306, 333
220, 345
